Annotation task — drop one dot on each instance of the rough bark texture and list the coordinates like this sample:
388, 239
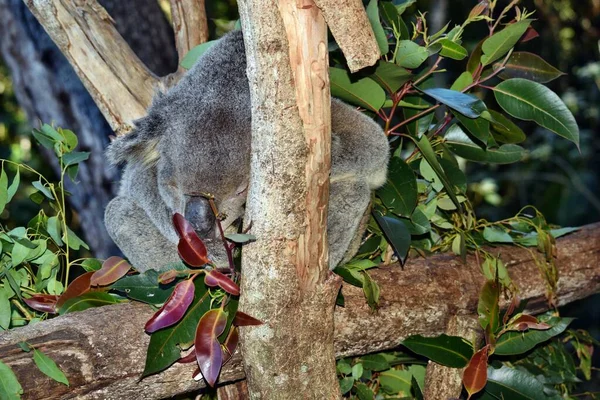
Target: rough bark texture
48, 90
189, 23
286, 282
102, 351
352, 31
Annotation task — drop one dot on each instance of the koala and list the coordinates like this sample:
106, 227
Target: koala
195, 140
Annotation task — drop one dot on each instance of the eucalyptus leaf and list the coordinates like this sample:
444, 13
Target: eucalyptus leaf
396, 232
504, 130
380, 36
451, 351
522, 64
365, 92
512, 343
410, 55
461, 145
465, 104
391, 76
501, 42
399, 194
10, 388
452, 50
49, 367
192, 56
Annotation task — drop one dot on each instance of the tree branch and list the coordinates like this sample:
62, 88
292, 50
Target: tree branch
189, 23
102, 350
118, 81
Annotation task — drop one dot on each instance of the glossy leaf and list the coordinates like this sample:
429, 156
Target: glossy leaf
399, 194
215, 278
167, 277
410, 55
164, 349
475, 58
501, 42
45, 303
87, 300
461, 145
515, 384
240, 238
230, 343
522, 64
529, 34
76, 288
463, 80
113, 269
194, 54
391, 76
243, 319
451, 351
208, 349
190, 247
144, 287
396, 381
174, 308
524, 322
488, 306
49, 367
465, 104
10, 388
91, 264
420, 126
504, 130
532, 101
478, 127
520, 342
380, 36
396, 232
452, 50
364, 92
475, 374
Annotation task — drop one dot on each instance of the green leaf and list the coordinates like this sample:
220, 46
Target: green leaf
396, 232
74, 241
43, 139
357, 371
91, 264
19, 253
240, 238
520, 342
396, 382
532, 101
375, 362
350, 276
402, 5
346, 384
455, 176
52, 133
468, 105
501, 42
364, 392
12, 189
522, 64
531, 239
451, 351
87, 300
494, 234
192, 56
452, 50
461, 145
5, 310
70, 138
515, 384
478, 127
163, 349
504, 130
391, 76
410, 55
371, 291
3, 189
10, 388
72, 171
488, 306
144, 287
54, 229
463, 80
380, 36
43, 189
344, 367
399, 194
75, 157
49, 367
420, 126
419, 223
365, 92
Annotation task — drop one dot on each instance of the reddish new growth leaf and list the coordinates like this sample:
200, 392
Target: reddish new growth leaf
475, 375
190, 247
524, 322
529, 34
79, 286
191, 357
243, 319
208, 349
174, 308
43, 302
113, 269
167, 277
215, 278
230, 344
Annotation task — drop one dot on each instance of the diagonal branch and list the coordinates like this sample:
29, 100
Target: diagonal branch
189, 23
118, 81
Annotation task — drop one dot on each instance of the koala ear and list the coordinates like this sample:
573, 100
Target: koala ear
140, 144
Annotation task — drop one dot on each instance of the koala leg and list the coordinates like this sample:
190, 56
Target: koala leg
347, 218
135, 234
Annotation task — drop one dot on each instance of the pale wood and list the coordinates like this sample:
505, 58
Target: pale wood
286, 283
350, 26
118, 81
102, 350
189, 23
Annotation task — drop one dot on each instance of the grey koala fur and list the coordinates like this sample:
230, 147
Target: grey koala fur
196, 139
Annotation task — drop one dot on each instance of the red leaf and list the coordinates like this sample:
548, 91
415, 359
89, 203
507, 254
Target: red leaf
475, 375
197, 375
42, 302
190, 247
208, 349
79, 286
167, 277
191, 357
243, 319
215, 278
112, 270
525, 322
529, 34
230, 344
174, 308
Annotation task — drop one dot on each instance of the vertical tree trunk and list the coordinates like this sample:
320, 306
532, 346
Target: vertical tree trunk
48, 90
286, 282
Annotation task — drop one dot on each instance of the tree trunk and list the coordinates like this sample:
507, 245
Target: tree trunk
48, 90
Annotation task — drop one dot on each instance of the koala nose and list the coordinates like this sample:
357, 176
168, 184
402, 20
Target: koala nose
199, 214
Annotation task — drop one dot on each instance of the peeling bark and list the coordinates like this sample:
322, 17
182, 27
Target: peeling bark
102, 350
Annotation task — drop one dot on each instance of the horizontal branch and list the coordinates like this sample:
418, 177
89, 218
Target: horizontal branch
102, 351
117, 80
